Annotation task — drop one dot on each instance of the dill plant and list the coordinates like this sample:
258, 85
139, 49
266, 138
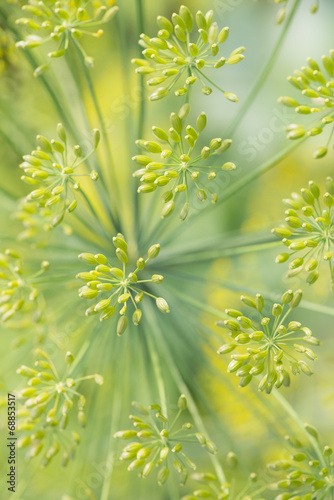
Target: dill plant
110, 226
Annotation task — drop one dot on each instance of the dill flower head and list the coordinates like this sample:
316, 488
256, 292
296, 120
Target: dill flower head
281, 14
159, 442
53, 171
210, 486
179, 165
309, 231
267, 346
306, 475
37, 222
317, 89
114, 286
18, 293
49, 400
60, 23
183, 48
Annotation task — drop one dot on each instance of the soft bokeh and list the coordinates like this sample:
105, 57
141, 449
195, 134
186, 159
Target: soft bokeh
207, 262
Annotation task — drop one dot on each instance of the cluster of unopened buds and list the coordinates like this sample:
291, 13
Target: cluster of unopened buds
266, 347
54, 170
117, 285
18, 293
309, 231
37, 221
158, 444
49, 399
61, 22
281, 14
307, 475
318, 87
179, 166
210, 487
173, 53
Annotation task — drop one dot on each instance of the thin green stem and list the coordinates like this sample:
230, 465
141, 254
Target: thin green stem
141, 118
158, 374
191, 403
295, 417
116, 411
261, 80
102, 124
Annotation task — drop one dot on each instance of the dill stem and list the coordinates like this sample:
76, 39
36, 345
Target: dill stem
111, 165
295, 417
141, 117
262, 78
182, 386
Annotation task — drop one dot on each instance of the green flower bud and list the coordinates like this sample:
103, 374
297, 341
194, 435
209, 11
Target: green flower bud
223, 35
201, 194
215, 143
160, 93
121, 255
288, 101
165, 24
125, 434
153, 251
119, 242
297, 297
148, 469
231, 97
248, 301
201, 438
162, 305
160, 134
182, 402
328, 199
162, 475
122, 325
176, 122
320, 152
136, 317
168, 209
88, 258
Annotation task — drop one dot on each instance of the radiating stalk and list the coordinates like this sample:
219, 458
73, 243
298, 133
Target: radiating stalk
295, 417
157, 372
191, 403
111, 166
120, 375
262, 78
142, 114
181, 259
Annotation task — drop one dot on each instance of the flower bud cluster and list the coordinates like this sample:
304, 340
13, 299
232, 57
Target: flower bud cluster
317, 86
267, 347
179, 166
210, 486
306, 476
49, 401
158, 444
18, 293
37, 222
61, 22
117, 286
53, 172
175, 53
308, 231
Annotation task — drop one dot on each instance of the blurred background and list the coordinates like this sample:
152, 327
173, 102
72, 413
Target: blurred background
226, 260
